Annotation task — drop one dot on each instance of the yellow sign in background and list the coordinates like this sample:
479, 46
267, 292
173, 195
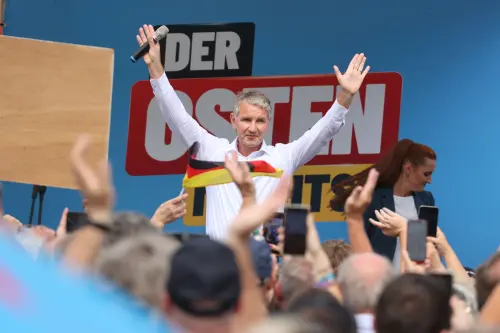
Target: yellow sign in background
324, 196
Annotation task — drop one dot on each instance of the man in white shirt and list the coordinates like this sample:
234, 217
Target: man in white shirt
250, 120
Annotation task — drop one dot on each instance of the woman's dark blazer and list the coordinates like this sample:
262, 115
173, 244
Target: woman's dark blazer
383, 197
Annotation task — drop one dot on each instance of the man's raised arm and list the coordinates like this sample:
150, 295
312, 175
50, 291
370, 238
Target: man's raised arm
170, 105
309, 145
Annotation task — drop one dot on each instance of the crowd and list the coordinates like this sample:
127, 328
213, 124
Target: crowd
240, 285
233, 280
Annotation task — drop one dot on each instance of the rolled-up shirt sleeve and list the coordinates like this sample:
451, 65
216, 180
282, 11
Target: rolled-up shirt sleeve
310, 143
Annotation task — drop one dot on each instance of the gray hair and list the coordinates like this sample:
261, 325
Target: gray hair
296, 275
140, 264
255, 98
362, 278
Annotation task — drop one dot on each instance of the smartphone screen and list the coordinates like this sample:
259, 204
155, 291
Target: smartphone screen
417, 240
76, 220
294, 220
430, 214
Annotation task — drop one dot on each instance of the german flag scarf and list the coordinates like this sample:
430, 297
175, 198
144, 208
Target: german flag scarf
204, 173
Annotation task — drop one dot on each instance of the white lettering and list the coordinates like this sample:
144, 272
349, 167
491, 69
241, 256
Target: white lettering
155, 132
209, 119
367, 125
198, 51
302, 119
227, 44
173, 43
276, 95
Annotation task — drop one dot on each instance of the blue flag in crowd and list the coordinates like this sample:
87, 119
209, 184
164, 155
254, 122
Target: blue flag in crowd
39, 296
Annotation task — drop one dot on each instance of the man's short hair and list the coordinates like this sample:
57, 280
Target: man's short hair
337, 251
413, 303
255, 98
320, 306
487, 278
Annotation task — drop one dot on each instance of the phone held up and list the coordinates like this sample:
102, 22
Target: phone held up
295, 222
417, 240
429, 214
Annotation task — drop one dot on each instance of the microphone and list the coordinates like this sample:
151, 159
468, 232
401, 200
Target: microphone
160, 33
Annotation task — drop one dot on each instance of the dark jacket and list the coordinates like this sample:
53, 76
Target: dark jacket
384, 197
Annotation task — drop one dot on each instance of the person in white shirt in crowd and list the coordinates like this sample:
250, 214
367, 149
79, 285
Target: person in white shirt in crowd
250, 120
362, 278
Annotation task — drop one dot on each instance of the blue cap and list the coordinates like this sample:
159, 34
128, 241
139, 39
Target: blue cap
261, 257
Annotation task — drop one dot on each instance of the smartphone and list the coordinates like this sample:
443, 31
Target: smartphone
75, 221
270, 229
294, 220
417, 240
430, 214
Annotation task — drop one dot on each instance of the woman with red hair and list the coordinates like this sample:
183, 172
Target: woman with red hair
404, 171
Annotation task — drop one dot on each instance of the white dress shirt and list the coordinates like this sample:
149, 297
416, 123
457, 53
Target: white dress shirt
224, 201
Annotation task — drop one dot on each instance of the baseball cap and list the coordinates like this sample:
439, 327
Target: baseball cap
261, 257
205, 278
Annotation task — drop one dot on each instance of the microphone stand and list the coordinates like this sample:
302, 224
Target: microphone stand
42, 190
34, 195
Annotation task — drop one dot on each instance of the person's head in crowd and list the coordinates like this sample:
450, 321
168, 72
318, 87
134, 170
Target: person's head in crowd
408, 163
203, 290
265, 267
287, 324
296, 275
413, 303
125, 224
487, 277
337, 251
321, 307
139, 264
361, 279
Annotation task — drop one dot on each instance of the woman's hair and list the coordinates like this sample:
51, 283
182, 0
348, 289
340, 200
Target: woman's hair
389, 168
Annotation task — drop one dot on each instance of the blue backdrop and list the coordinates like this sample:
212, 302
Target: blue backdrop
446, 51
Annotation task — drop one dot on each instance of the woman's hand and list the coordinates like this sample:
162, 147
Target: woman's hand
389, 222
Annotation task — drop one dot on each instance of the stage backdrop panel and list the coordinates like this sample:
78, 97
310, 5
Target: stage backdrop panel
49, 94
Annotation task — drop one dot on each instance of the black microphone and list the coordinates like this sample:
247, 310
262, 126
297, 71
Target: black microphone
160, 33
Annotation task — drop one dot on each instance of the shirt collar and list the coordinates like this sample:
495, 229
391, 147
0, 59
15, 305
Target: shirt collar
234, 146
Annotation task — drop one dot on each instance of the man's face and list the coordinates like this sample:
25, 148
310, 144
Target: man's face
250, 125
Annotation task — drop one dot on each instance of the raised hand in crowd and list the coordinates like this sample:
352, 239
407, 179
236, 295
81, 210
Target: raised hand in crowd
169, 211
448, 254
355, 206
389, 222
250, 217
240, 173
11, 223
95, 184
60, 232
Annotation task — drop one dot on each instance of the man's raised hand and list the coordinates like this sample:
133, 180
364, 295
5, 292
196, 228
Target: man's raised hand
351, 80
